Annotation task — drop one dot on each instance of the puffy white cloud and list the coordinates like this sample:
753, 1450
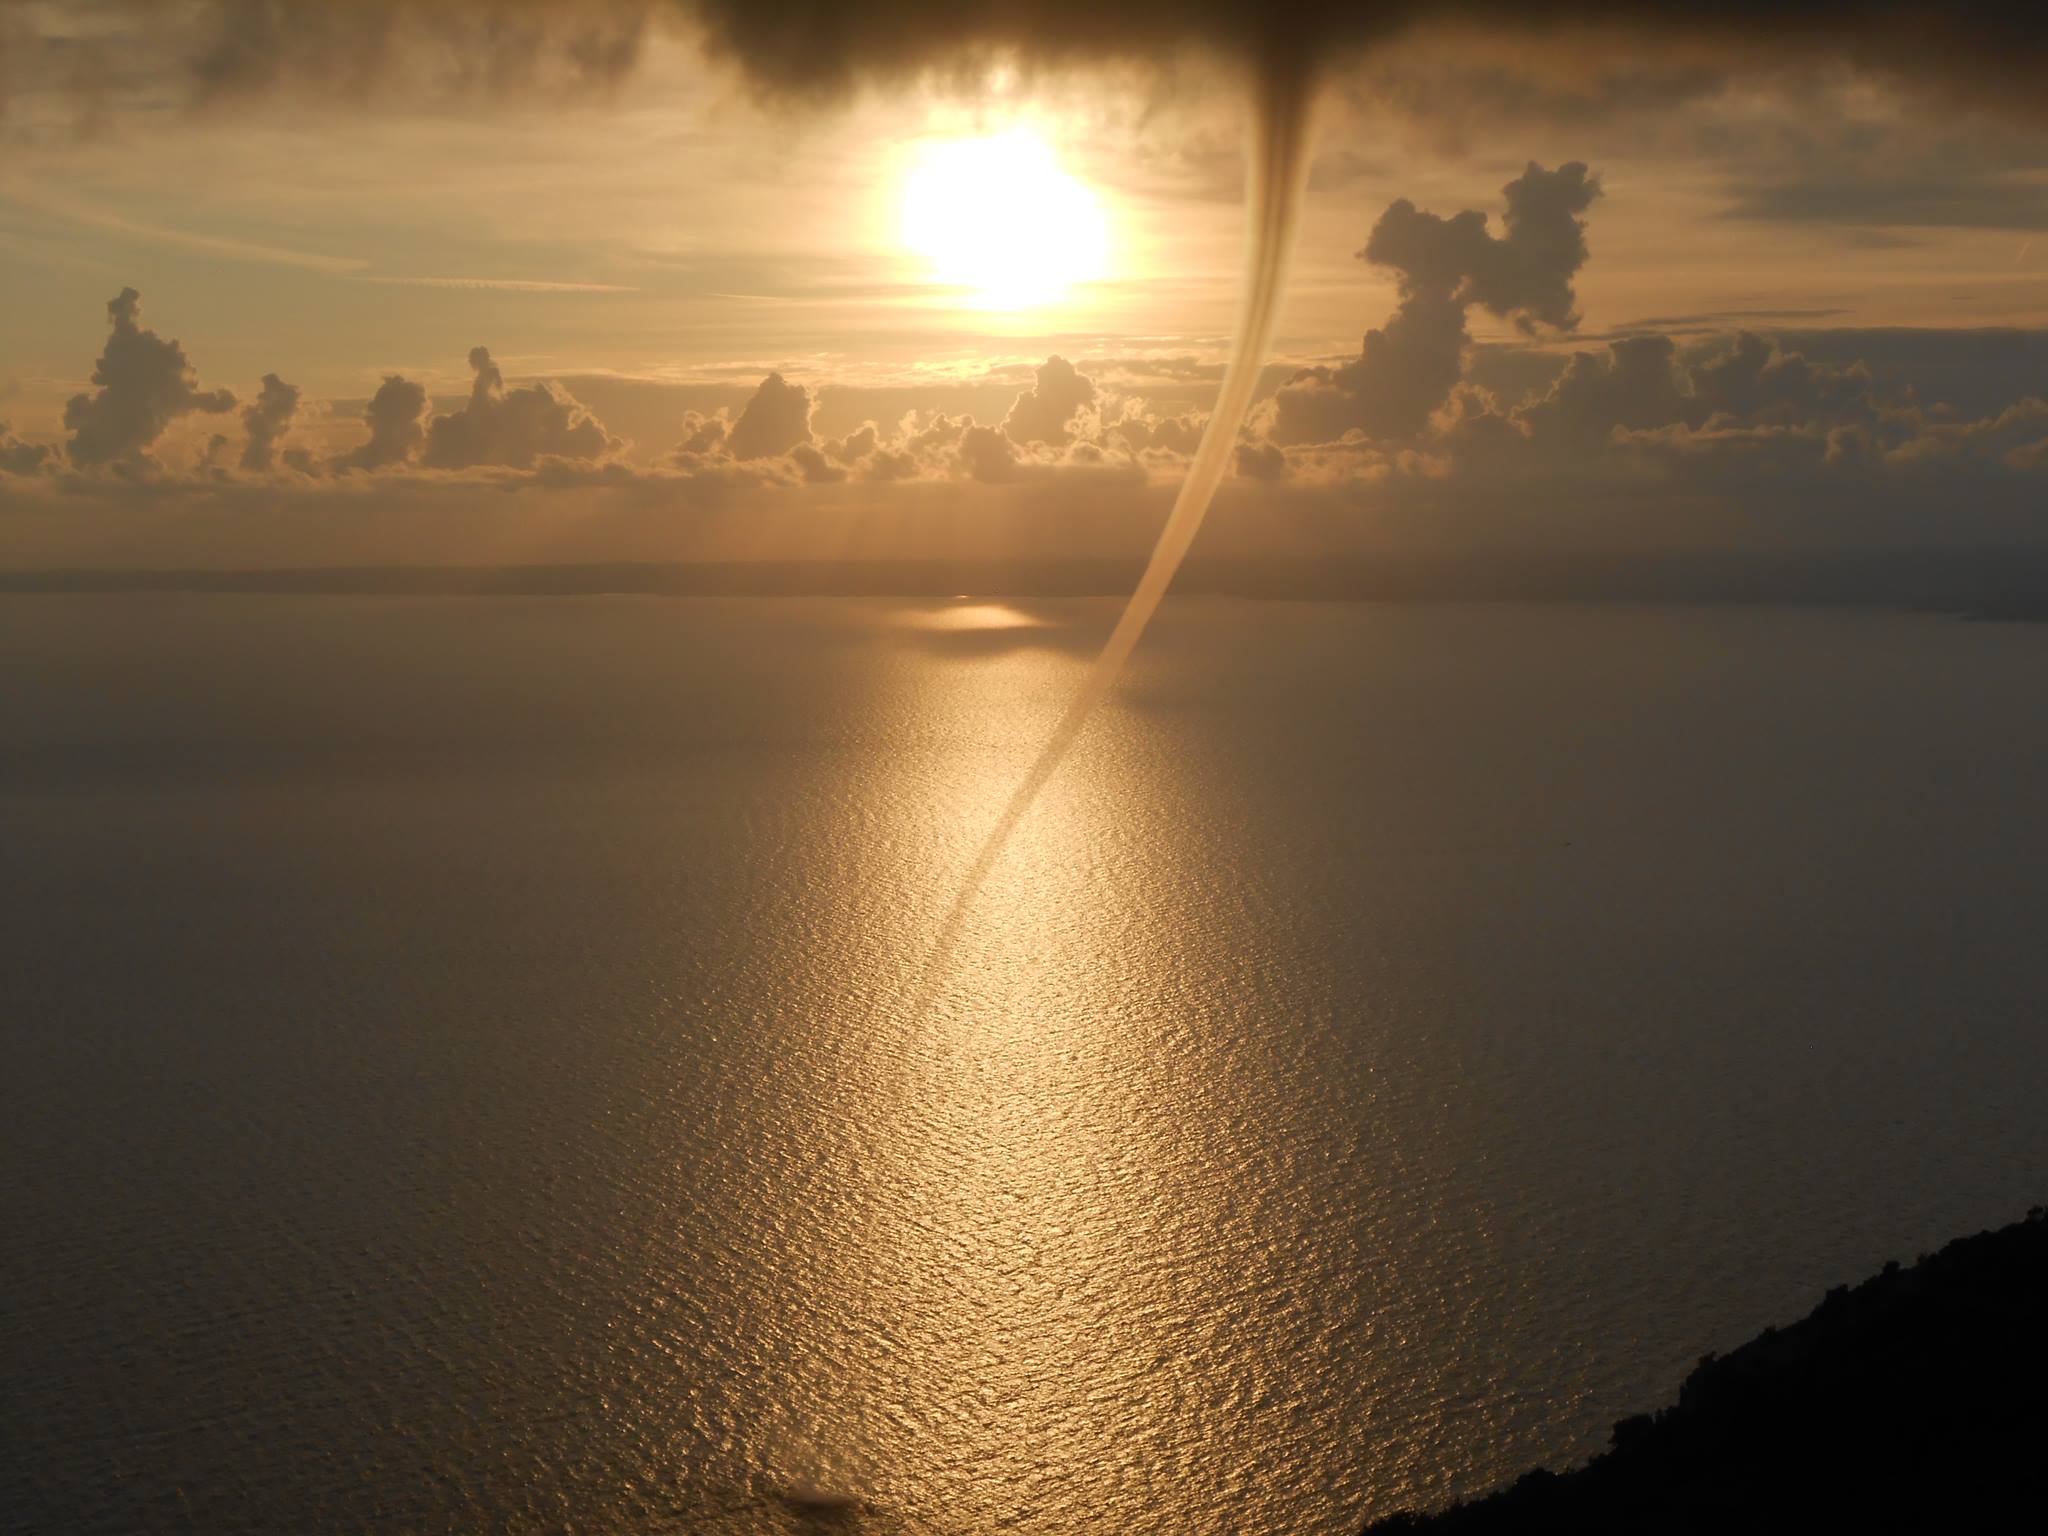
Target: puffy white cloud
145, 383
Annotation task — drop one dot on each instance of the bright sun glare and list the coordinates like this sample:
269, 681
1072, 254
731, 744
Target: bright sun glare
999, 218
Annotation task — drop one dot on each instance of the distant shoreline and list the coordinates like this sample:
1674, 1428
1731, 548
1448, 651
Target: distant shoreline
1997, 584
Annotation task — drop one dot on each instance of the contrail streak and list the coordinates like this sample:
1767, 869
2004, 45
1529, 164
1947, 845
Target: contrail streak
1281, 129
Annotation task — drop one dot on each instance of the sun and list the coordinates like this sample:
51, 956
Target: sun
998, 218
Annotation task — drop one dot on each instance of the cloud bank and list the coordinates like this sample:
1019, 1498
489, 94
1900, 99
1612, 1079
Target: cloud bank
1685, 424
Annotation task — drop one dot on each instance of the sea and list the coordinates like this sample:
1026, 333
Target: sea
486, 1064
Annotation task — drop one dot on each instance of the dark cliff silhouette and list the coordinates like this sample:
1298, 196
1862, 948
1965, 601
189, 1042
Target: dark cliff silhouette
1916, 1401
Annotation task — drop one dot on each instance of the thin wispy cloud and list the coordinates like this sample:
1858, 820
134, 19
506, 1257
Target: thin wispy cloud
494, 284
86, 216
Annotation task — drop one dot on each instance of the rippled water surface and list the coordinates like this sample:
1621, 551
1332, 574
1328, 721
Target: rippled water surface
457, 1069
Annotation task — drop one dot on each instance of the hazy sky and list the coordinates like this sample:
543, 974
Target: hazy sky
636, 233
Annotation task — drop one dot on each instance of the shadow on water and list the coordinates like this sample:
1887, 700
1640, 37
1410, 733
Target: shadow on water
803, 1509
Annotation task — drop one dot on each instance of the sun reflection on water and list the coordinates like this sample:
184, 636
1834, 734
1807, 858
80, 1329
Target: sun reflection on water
1003, 1292
972, 614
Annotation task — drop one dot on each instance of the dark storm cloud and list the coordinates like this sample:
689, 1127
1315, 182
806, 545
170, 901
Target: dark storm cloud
822, 46
265, 420
1407, 369
397, 419
513, 429
1596, 55
145, 383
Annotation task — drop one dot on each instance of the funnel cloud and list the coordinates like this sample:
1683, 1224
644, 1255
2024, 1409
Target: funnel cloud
1278, 173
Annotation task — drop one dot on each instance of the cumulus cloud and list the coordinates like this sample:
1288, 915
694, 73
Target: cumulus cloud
18, 457
1063, 424
1406, 370
771, 441
987, 454
1260, 461
702, 435
774, 420
815, 467
145, 383
265, 421
1633, 385
1737, 415
397, 418
1042, 414
1145, 430
1758, 380
513, 428
1712, 414
856, 445
1747, 411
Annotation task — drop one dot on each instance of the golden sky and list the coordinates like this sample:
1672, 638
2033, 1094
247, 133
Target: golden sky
658, 242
